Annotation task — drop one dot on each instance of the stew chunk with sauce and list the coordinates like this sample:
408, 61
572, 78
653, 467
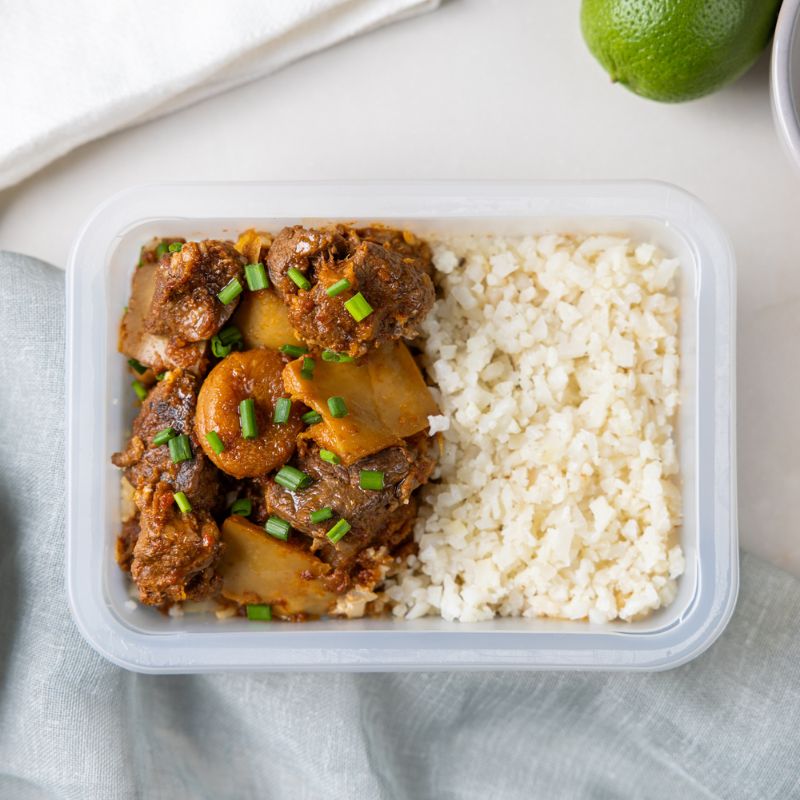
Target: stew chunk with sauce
351, 290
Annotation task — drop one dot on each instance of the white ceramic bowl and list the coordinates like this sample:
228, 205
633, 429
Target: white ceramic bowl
785, 78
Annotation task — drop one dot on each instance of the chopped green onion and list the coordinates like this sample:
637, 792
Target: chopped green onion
298, 278
230, 335
259, 613
218, 349
340, 286
337, 407
243, 507
336, 533
293, 350
139, 388
162, 248
371, 479
321, 515
161, 375
124, 309
307, 370
329, 456
256, 277
223, 342
163, 436
292, 478
183, 502
230, 291
217, 445
277, 527
137, 365
336, 358
175, 247
283, 407
358, 307
311, 418
180, 449
247, 418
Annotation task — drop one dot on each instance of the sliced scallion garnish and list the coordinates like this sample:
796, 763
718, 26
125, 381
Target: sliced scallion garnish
256, 277
277, 527
217, 445
247, 418
182, 502
330, 457
337, 407
164, 435
311, 418
337, 288
180, 449
140, 389
218, 349
259, 612
293, 350
243, 507
230, 291
137, 366
298, 278
336, 358
338, 530
292, 478
358, 307
283, 408
230, 335
307, 370
371, 479
320, 515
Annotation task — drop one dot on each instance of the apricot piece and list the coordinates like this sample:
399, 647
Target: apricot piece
252, 374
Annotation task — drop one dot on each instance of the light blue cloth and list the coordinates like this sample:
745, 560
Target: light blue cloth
74, 726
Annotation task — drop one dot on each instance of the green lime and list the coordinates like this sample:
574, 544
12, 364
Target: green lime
674, 50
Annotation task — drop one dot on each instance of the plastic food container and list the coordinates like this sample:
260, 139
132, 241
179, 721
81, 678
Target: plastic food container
100, 409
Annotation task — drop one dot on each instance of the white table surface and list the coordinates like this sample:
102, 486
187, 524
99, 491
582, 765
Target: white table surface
496, 89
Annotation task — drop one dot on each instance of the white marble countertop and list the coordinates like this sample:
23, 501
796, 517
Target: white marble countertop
496, 89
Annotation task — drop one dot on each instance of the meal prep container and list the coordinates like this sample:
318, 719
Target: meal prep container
100, 408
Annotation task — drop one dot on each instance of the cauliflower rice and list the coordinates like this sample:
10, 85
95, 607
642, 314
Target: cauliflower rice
557, 362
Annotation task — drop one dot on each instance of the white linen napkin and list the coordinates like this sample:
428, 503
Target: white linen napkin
74, 71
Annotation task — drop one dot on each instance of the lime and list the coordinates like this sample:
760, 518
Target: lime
674, 50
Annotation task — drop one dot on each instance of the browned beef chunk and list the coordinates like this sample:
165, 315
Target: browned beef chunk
402, 242
377, 517
185, 305
392, 274
170, 404
175, 553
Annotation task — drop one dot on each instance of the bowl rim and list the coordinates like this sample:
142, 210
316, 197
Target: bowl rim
785, 106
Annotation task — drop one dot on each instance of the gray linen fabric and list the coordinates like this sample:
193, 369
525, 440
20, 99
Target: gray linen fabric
74, 726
